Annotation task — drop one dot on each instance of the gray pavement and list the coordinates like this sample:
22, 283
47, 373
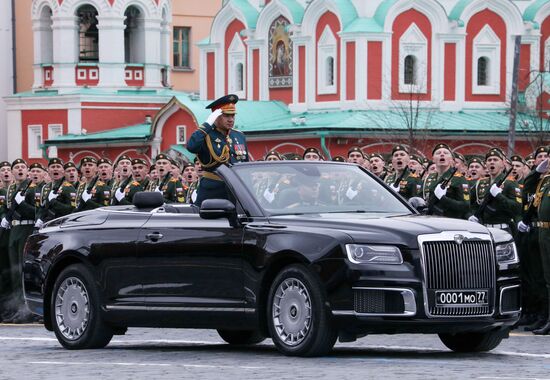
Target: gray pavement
31, 352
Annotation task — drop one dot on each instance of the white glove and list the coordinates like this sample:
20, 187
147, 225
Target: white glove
86, 196
543, 166
473, 219
269, 196
52, 195
213, 117
119, 194
439, 191
495, 190
350, 193
5, 224
158, 190
522, 227
395, 188
19, 197
39, 223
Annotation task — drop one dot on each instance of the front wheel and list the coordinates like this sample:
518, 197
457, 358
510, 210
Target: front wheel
299, 322
472, 341
75, 310
241, 337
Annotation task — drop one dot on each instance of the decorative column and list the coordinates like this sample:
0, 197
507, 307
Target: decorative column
111, 51
153, 65
65, 50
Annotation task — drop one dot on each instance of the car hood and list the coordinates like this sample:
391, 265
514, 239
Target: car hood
364, 228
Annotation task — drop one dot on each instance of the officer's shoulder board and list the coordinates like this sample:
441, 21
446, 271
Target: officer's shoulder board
234, 130
459, 174
100, 183
66, 184
135, 183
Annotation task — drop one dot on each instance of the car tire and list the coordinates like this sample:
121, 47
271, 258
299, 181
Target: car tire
75, 310
299, 322
472, 341
241, 337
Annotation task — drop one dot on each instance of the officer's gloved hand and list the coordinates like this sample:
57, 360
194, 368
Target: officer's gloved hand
158, 190
395, 188
439, 191
86, 196
52, 195
522, 227
350, 193
39, 223
543, 166
473, 219
119, 194
495, 190
19, 198
213, 117
5, 224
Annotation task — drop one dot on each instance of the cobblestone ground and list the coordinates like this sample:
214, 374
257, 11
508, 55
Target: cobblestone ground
31, 352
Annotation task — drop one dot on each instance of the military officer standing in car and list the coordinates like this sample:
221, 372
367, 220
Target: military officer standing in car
217, 143
58, 198
446, 192
403, 180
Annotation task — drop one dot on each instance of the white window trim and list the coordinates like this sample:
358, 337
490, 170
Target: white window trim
327, 47
236, 55
547, 54
414, 42
34, 130
94, 74
55, 130
81, 74
178, 140
486, 44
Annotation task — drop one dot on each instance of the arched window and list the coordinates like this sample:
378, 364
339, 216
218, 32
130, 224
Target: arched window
88, 34
483, 71
330, 71
134, 36
239, 77
410, 70
327, 62
45, 36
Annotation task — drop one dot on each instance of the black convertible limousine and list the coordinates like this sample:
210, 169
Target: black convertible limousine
304, 253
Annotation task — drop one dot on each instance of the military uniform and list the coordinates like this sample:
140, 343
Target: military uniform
456, 203
131, 190
101, 196
62, 205
172, 189
214, 148
5, 280
410, 184
124, 187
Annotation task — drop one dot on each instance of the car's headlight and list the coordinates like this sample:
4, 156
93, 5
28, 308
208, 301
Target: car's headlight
373, 254
507, 253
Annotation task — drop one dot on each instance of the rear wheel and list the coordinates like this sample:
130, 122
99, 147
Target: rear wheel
75, 310
241, 337
299, 322
473, 341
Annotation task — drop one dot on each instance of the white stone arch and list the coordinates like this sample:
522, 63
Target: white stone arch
42, 19
296, 145
433, 10
146, 7
222, 20
507, 10
138, 154
270, 13
69, 7
313, 13
466, 145
38, 5
542, 14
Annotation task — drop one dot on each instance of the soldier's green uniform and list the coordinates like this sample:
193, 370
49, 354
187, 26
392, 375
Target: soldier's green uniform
101, 196
5, 283
124, 186
505, 209
410, 184
62, 205
456, 203
192, 192
131, 190
172, 189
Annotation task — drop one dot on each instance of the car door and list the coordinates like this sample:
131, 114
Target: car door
191, 264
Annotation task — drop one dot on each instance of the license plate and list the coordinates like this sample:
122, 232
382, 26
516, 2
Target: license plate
462, 297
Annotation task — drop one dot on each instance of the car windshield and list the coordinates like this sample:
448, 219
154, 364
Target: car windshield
307, 188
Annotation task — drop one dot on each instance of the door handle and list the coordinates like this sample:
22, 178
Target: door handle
154, 236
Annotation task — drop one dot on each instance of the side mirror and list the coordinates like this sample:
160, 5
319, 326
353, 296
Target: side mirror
419, 204
217, 209
147, 199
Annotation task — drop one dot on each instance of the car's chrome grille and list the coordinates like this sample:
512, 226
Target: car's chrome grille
452, 266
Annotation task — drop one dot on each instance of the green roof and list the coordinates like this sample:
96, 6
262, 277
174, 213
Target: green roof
532, 10
295, 9
180, 149
456, 12
382, 11
249, 12
346, 11
364, 25
131, 133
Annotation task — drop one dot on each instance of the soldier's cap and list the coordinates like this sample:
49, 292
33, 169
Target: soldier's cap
475, 160
226, 104
137, 161
416, 158
187, 165
338, 159
55, 161
430, 163
162, 156
122, 158
18, 161
541, 149
273, 153
530, 157
398, 148
459, 156
311, 150
518, 159
68, 165
37, 165
195, 160
297, 158
5, 163
494, 153
355, 149
88, 159
440, 146
152, 167
104, 161
373, 155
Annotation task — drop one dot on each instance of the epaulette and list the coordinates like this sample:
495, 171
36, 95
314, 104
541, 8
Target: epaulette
100, 183
173, 180
511, 178
32, 185
414, 175
234, 130
67, 184
458, 174
135, 183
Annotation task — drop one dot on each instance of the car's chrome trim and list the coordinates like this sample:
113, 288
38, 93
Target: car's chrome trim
448, 236
408, 300
180, 308
502, 290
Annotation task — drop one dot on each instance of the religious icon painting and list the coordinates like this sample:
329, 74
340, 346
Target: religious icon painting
280, 54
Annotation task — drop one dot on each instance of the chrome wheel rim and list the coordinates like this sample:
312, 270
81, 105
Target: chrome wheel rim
72, 308
292, 312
